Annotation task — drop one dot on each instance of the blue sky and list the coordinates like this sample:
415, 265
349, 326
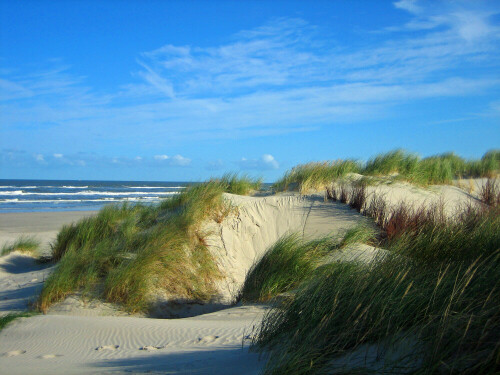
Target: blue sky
185, 90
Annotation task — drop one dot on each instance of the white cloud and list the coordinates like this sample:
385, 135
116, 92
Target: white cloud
408, 5
161, 157
279, 78
180, 160
469, 20
270, 161
265, 162
39, 158
19, 157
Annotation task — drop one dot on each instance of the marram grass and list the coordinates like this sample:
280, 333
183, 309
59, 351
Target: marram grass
126, 254
400, 164
315, 175
361, 233
286, 264
438, 295
24, 244
240, 184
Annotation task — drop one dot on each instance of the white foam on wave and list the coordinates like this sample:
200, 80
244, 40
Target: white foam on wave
15, 200
14, 192
155, 187
90, 192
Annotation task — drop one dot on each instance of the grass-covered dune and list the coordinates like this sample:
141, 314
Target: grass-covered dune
439, 169
429, 305
131, 254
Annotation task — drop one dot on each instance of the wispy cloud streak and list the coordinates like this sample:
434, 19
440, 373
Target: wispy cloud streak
278, 78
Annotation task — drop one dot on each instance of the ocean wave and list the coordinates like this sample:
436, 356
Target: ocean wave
155, 187
90, 192
15, 200
14, 192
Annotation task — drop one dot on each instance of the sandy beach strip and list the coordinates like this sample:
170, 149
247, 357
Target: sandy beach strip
42, 225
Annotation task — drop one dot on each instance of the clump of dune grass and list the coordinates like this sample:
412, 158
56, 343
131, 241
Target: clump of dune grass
6, 319
438, 296
240, 184
488, 166
128, 254
399, 164
490, 192
91, 230
317, 175
397, 161
358, 196
403, 218
24, 244
438, 169
286, 264
361, 233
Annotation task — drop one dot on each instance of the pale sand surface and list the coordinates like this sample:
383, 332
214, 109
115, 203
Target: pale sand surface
42, 225
77, 337
56, 344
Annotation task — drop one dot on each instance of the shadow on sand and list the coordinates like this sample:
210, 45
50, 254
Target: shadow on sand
213, 361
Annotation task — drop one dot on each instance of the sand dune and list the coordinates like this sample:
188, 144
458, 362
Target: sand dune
75, 337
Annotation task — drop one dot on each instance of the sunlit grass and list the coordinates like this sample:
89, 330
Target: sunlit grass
399, 164
24, 244
240, 184
439, 294
286, 264
315, 176
126, 253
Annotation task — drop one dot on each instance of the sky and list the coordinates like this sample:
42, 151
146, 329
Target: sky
186, 90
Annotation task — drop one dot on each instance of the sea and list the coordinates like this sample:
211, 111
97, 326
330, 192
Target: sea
70, 195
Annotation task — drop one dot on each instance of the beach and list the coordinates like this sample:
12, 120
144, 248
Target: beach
81, 335
95, 337
41, 225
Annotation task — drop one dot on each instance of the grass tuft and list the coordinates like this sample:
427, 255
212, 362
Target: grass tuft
240, 184
362, 233
358, 196
286, 264
315, 176
24, 244
397, 161
6, 319
490, 192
